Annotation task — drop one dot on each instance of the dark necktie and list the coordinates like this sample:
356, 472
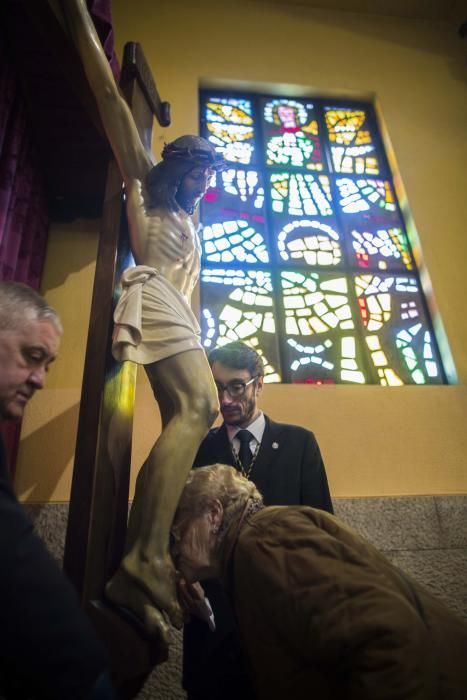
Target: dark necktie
244, 453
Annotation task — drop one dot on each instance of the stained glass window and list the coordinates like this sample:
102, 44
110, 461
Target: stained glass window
305, 253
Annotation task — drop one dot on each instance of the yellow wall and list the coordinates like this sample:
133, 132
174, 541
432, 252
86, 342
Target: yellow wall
376, 441
48, 435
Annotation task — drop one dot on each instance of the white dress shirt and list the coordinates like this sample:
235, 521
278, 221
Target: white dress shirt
256, 428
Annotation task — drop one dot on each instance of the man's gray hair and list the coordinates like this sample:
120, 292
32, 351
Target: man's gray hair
20, 304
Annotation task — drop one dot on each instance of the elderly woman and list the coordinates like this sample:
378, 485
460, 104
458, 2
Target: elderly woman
320, 612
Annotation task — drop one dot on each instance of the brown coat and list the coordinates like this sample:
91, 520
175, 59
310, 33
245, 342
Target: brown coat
323, 614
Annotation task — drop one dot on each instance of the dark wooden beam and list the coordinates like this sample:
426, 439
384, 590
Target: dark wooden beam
135, 66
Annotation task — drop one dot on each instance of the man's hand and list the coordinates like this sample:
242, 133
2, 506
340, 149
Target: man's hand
194, 602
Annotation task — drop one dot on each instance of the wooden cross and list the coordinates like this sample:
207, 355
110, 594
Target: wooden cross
100, 488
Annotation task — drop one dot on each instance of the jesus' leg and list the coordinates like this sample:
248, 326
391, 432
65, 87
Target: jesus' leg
189, 405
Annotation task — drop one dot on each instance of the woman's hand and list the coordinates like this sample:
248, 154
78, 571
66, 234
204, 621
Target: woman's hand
194, 602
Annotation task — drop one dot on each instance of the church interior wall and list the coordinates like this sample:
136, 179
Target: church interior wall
376, 441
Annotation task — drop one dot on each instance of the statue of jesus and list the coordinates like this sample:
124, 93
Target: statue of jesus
155, 327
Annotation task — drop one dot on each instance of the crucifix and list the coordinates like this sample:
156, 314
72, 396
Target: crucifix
132, 575
100, 489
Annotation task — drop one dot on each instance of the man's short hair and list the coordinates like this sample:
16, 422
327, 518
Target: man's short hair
237, 355
20, 304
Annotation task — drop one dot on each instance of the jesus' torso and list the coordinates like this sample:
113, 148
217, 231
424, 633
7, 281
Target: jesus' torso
164, 240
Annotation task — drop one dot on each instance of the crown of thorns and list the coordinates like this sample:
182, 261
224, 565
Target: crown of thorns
200, 156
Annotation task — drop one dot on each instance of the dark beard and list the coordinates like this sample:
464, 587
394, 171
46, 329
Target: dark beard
248, 413
188, 205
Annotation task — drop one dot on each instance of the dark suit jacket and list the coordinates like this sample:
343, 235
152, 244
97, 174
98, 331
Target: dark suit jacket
47, 647
289, 470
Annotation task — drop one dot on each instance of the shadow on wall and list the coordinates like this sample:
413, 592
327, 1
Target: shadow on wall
74, 249
46, 453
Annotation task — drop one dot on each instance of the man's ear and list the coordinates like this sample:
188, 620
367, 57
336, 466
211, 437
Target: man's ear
259, 385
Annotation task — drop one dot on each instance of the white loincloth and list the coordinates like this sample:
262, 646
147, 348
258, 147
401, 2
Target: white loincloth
153, 320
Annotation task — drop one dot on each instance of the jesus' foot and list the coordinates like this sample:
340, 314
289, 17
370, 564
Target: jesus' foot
138, 611
146, 591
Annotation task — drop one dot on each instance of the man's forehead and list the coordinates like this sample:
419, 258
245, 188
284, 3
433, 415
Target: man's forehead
41, 333
221, 371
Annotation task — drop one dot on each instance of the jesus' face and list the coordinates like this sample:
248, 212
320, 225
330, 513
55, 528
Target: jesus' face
193, 187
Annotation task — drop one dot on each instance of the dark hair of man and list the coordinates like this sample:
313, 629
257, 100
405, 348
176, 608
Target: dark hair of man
178, 158
237, 355
20, 304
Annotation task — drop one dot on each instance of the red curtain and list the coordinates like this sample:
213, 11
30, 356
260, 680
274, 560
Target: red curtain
24, 220
23, 207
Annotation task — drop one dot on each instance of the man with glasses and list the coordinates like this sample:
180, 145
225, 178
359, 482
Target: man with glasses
285, 463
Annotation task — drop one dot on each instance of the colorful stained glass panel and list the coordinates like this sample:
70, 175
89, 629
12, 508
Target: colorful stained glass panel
319, 329
300, 194
367, 202
352, 144
238, 305
366, 196
234, 220
309, 241
397, 334
291, 134
382, 249
302, 219
228, 125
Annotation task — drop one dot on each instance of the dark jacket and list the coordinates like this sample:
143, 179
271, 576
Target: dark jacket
48, 649
322, 613
289, 470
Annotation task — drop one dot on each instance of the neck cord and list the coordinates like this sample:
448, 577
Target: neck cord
252, 506
239, 464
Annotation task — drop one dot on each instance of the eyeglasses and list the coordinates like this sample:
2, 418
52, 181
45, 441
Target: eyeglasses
235, 388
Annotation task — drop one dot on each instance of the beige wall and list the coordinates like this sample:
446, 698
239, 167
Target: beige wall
48, 434
376, 441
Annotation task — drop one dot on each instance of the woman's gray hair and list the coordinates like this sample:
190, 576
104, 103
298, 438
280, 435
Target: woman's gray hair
20, 304
215, 482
